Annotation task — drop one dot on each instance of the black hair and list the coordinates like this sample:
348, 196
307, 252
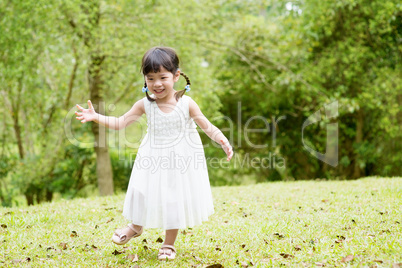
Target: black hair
165, 57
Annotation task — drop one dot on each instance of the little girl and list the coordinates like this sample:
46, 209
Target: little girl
169, 184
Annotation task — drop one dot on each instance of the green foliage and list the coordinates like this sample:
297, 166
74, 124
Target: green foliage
74, 172
122, 165
282, 61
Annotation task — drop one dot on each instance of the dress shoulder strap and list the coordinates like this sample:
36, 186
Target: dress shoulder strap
185, 105
147, 106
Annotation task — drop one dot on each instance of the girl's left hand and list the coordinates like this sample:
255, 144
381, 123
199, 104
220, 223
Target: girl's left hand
228, 149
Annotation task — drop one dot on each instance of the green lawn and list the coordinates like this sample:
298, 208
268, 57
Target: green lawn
294, 224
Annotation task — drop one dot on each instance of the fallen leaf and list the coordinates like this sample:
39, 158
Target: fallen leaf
115, 252
73, 234
159, 240
94, 247
145, 241
347, 258
243, 246
63, 246
379, 261
217, 265
279, 235
109, 220
132, 257
218, 248
145, 247
297, 247
4, 226
286, 255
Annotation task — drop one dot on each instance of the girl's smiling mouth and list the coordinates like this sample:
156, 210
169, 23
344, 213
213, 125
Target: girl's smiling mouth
160, 91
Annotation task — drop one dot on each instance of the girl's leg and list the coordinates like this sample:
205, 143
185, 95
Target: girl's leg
170, 236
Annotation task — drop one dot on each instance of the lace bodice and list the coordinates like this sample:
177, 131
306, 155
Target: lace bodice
170, 125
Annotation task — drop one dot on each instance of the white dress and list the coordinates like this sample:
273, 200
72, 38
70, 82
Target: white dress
169, 184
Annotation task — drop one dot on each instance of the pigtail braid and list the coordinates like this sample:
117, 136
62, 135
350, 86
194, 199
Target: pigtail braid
148, 97
180, 93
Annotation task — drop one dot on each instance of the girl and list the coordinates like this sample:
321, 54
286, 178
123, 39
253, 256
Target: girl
169, 184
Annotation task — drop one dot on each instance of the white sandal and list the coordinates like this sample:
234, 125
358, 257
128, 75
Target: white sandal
120, 239
166, 252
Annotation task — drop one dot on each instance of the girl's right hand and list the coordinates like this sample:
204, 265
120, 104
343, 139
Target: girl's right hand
86, 115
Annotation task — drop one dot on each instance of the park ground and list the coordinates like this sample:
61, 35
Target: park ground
291, 224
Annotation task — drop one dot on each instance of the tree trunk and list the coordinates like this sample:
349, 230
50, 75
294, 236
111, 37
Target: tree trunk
357, 172
103, 163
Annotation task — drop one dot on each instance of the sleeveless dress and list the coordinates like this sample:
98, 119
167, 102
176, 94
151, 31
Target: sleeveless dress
169, 185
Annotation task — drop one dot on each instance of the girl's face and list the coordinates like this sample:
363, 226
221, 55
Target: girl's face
161, 83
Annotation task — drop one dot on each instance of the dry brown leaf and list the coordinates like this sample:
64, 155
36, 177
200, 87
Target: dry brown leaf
159, 240
217, 265
279, 235
73, 234
347, 258
379, 261
286, 255
297, 247
4, 226
109, 220
132, 257
63, 246
115, 252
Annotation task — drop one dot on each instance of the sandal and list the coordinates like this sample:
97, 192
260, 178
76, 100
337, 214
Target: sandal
120, 239
166, 252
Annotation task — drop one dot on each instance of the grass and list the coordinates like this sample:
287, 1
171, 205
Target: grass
294, 224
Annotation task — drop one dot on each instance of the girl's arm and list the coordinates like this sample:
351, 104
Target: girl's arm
212, 131
87, 115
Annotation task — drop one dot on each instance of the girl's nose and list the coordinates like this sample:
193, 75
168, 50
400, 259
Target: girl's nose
158, 83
